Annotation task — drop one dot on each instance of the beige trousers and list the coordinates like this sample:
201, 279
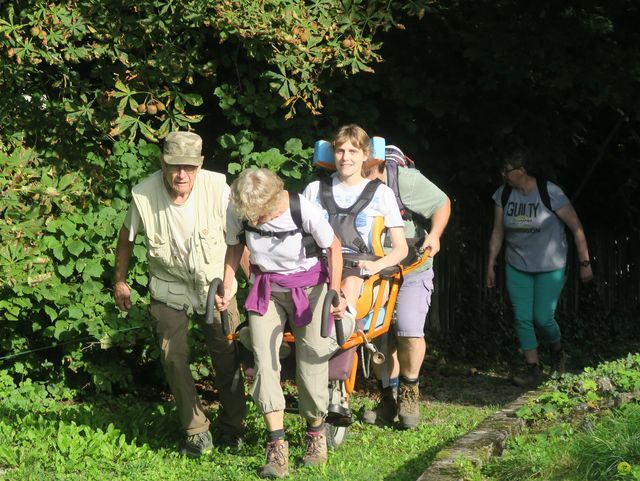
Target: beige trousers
312, 356
171, 327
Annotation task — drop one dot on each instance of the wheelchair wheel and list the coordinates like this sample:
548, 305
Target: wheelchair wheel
336, 435
339, 416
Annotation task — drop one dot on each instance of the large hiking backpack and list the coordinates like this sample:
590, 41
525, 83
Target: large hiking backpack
395, 159
311, 249
343, 220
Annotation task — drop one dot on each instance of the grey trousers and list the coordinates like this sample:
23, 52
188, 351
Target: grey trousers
312, 356
171, 327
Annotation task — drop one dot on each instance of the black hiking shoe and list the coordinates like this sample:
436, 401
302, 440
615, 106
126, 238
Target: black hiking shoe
197, 444
532, 376
409, 406
558, 363
386, 412
229, 440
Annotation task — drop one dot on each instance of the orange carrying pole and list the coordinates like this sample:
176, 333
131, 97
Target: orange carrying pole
350, 383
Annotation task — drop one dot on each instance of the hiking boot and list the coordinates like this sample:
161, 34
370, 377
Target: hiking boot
197, 444
409, 406
558, 363
316, 450
386, 412
277, 460
229, 440
531, 376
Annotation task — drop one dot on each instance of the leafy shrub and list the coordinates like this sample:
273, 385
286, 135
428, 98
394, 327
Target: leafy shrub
55, 265
593, 390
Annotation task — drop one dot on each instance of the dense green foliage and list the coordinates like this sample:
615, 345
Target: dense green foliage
89, 89
55, 261
78, 76
593, 390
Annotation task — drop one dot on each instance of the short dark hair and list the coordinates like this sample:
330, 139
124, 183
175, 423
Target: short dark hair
518, 158
370, 166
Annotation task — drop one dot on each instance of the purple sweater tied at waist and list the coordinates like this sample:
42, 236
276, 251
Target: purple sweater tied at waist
260, 292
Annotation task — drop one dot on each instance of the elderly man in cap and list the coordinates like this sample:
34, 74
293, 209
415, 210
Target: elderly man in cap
181, 209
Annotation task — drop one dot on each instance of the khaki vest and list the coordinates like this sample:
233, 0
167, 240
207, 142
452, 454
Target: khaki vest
170, 280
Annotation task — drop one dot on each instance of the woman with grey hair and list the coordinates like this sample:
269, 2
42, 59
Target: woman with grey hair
287, 283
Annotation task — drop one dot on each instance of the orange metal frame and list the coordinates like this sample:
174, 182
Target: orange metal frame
364, 302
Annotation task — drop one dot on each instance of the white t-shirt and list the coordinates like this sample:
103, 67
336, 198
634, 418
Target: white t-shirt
182, 222
383, 204
282, 256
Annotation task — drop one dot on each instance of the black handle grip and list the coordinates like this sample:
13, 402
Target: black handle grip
216, 287
331, 299
339, 331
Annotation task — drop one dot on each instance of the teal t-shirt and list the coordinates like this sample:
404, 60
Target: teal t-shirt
535, 237
421, 196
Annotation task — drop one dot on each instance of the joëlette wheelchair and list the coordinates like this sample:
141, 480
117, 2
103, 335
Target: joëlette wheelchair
375, 308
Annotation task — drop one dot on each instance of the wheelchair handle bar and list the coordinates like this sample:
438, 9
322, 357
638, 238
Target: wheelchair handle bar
216, 287
331, 299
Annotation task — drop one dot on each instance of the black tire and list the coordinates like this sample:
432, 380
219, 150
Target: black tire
336, 435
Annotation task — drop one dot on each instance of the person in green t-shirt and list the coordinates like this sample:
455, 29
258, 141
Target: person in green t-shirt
422, 200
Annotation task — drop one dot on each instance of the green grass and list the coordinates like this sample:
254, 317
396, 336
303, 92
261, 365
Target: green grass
607, 450
616, 440
125, 439
573, 434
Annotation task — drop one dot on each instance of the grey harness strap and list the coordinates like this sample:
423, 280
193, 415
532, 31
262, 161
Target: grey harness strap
343, 220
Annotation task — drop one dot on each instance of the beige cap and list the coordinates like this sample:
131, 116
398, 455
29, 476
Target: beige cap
182, 148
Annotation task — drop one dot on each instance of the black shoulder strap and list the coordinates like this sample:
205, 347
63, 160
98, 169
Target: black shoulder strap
309, 244
392, 181
543, 189
267, 233
506, 193
294, 206
329, 203
366, 197
326, 196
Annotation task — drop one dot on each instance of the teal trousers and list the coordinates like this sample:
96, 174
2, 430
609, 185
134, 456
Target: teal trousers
534, 296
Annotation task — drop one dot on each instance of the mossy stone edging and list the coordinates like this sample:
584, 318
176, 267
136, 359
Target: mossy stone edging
479, 445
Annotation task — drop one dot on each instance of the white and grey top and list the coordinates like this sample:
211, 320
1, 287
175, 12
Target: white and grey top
282, 256
535, 237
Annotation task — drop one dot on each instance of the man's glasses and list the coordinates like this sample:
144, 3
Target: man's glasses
189, 169
506, 171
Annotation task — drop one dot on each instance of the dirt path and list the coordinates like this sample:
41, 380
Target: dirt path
457, 383
463, 383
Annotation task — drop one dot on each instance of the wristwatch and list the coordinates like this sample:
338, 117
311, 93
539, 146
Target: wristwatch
585, 263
